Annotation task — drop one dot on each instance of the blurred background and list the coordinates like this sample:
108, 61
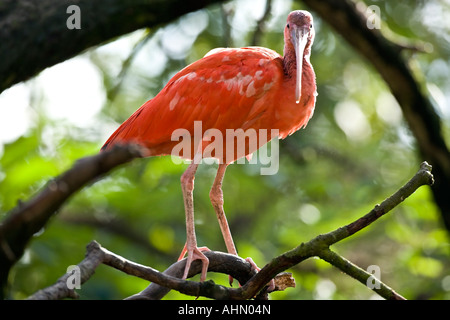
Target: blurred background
356, 151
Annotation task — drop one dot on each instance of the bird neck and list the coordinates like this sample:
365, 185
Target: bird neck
290, 63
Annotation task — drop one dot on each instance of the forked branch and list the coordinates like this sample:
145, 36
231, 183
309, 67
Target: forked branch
239, 268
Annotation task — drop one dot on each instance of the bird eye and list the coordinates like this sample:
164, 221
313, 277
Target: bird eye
287, 25
310, 26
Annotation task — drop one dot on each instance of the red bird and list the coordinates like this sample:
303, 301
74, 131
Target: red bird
230, 88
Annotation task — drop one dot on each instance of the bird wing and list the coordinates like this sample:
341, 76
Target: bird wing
227, 89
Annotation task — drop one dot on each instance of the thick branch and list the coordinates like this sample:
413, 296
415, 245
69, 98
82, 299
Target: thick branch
29, 217
237, 267
34, 34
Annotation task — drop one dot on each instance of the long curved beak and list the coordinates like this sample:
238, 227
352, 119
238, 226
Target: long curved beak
299, 38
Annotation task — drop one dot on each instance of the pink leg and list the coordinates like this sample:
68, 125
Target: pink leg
216, 196
193, 252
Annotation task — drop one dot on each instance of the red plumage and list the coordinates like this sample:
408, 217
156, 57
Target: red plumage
227, 89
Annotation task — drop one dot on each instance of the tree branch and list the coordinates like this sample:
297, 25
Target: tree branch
357, 273
29, 217
316, 246
421, 178
60, 290
239, 268
235, 266
34, 34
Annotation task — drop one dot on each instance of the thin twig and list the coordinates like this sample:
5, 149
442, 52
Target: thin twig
61, 290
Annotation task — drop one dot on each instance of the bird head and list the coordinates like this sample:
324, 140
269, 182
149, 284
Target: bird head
299, 32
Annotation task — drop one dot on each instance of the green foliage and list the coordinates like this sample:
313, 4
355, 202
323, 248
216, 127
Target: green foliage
354, 152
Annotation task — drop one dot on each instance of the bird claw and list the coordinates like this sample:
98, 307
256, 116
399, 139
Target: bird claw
195, 253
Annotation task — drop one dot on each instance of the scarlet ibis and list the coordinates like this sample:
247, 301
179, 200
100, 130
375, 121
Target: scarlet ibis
229, 88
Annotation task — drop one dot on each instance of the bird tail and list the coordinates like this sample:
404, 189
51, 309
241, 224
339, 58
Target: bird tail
120, 135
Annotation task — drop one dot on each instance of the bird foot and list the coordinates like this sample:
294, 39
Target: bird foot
195, 253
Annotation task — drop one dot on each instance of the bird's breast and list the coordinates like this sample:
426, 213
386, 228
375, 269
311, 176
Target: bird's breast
289, 115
